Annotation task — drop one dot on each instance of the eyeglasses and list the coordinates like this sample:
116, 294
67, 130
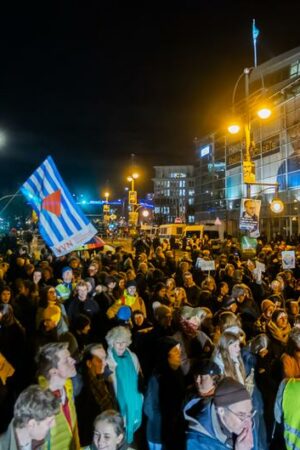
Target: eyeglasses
241, 416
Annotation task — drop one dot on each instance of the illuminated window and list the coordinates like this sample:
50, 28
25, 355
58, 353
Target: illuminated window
295, 69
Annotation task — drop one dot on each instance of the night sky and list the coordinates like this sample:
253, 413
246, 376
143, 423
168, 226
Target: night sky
91, 84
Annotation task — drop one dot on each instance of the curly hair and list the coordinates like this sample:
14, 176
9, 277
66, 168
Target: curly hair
118, 333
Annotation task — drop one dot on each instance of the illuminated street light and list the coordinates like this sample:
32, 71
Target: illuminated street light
145, 213
277, 206
264, 113
234, 128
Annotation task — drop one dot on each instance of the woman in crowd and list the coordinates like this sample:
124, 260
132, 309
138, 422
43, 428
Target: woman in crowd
109, 432
6, 295
49, 298
125, 373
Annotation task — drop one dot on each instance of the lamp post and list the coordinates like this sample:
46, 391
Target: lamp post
106, 208
263, 112
132, 202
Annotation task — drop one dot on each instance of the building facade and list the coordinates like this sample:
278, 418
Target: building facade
174, 192
275, 150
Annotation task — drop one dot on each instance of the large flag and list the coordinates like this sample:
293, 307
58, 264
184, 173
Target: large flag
62, 224
255, 34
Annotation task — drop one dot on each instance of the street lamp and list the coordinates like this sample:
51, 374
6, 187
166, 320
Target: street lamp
132, 201
106, 207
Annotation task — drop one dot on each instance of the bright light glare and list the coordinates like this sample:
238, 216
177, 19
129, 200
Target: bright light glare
234, 128
264, 113
135, 175
277, 206
145, 213
106, 194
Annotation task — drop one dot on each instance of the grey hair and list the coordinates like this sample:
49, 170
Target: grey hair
118, 333
35, 403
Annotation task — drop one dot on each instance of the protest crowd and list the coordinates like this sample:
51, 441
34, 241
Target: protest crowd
144, 350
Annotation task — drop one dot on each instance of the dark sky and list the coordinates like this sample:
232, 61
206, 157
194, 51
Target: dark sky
92, 83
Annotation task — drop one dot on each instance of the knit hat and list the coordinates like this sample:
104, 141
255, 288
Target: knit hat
53, 313
130, 283
265, 304
66, 269
124, 313
230, 391
205, 367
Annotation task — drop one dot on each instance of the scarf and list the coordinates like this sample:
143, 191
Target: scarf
280, 334
129, 398
190, 329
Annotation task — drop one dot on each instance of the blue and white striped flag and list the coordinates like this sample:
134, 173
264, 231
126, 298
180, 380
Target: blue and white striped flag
62, 224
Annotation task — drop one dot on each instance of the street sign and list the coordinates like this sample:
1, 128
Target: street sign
132, 197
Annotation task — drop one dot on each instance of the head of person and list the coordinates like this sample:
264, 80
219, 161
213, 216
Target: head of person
170, 284
292, 307
6, 295
94, 359
82, 291
229, 347
138, 318
110, 282
239, 293
7, 316
223, 288
207, 375
67, 274
163, 315
267, 308
233, 405
188, 279
229, 270
229, 303
280, 318
131, 287
228, 319
47, 296
92, 269
82, 324
168, 353
109, 431
192, 316
35, 411
119, 339
276, 287
37, 275
160, 290
51, 316
143, 267
130, 275
55, 364
209, 284
250, 207
259, 344
47, 273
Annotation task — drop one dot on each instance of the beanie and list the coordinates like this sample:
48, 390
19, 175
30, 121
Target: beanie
52, 312
124, 313
230, 391
130, 283
66, 269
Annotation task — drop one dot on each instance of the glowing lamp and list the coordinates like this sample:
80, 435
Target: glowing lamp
264, 113
277, 206
145, 213
234, 128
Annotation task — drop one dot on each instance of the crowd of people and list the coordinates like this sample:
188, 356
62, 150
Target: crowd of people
143, 349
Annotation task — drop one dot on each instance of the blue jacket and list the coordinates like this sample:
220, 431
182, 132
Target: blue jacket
204, 429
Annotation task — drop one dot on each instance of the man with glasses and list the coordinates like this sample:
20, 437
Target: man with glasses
223, 423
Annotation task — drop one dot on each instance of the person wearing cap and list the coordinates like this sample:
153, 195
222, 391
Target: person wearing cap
225, 422
129, 298
206, 375
64, 289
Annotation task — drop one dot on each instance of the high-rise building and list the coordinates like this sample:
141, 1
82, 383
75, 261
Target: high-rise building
275, 150
174, 190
